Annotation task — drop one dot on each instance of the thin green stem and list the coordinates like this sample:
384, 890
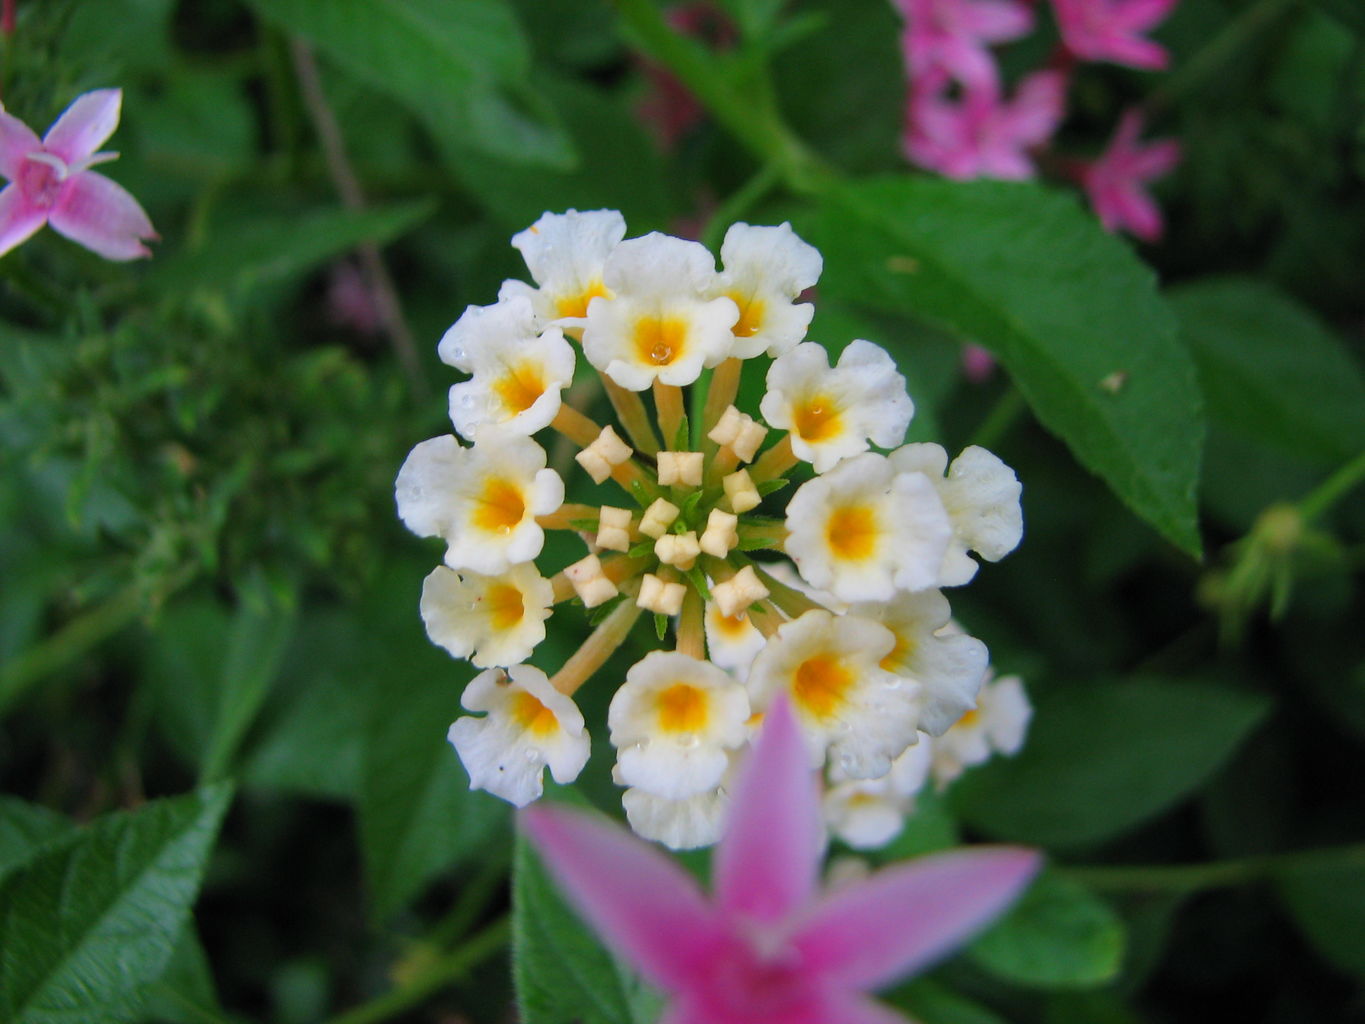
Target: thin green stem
1214, 875
475, 896
1331, 490
435, 976
1008, 408
1218, 51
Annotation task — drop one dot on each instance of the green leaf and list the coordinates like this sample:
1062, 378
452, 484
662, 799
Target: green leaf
1271, 372
255, 647
87, 925
932, 1003
267, 250
185, 991
1100, 760
460, 65
1326, 899
1348, 12
1067, 308
24, 827
562, 974
1058, 935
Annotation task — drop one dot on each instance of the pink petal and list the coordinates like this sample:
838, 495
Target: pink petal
83, 126
100, 215
641, 903
902, 918
16, 142
18, 218
1134, 52
1156, 160
996, 21
766, 863
1140, 15
1037, 107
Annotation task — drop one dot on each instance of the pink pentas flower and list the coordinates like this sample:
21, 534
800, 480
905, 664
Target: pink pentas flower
979, 134
51, 182
1116, 181
1111, 30
954, 35
769, 947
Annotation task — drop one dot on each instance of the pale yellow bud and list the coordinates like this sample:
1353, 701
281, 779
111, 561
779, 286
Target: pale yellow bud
589, 582
658, 518
660, 597
721, 533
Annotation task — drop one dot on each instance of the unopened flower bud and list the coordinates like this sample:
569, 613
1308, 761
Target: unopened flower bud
680, 468
589, 582
721, 533
659, 596
613, 529
738, 592
658, 518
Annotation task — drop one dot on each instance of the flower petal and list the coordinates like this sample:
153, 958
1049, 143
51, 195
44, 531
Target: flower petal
18, 218
896, 922
641, 903
765, 866
868, 1011
100, 215
84, 125
16, 142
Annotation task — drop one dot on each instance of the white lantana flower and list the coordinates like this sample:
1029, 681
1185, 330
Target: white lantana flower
998, 724
483, 501
672, 722
518, 372
863, 530
491, 620
868, 813
566, 254
731, 640
846, 704
529, 725
658, 323
766, 268
981, 496
833, 413
948, 666
681, 824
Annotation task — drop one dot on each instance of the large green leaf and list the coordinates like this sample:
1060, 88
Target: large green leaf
85, 926
24, 827
1326, 898
562, 974
1058, 935
265, 250
458, 64
1068, 309
1103, 759
1271, 372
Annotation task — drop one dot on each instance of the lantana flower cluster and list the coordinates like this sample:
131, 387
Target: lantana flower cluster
830, 591
961, 123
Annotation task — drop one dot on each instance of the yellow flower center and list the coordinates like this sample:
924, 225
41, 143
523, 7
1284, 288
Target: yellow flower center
682, 708
577, 305
505, 605
817, 419
899, 654
733, 626
751, 310
821, 685
659, 340
532, 715
520, 387
500, 507
852, 532
968, 719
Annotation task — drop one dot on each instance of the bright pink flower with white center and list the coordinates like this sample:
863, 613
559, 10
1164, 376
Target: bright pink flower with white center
770, 948
1116, 181
953, 35
51, 182
1111, 30
979, 134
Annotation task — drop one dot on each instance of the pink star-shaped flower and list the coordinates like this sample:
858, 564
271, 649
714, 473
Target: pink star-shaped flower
953, 35
1116, 181
769, 948
1111, 30
51, 182
980, 134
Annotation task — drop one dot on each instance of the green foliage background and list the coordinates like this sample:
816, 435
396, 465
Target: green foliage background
222, 728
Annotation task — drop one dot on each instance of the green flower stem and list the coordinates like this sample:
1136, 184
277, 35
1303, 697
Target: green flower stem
1336, 486
83, 632
745, 108
434, 977
475, 897
1218, 51
1008, 408
1215, 875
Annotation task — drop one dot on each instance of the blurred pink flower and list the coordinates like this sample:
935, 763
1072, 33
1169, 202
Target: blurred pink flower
667, 107
978, 134
977, 363
1116, 181
51, 182
769, 948
1110, 30
953, 35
